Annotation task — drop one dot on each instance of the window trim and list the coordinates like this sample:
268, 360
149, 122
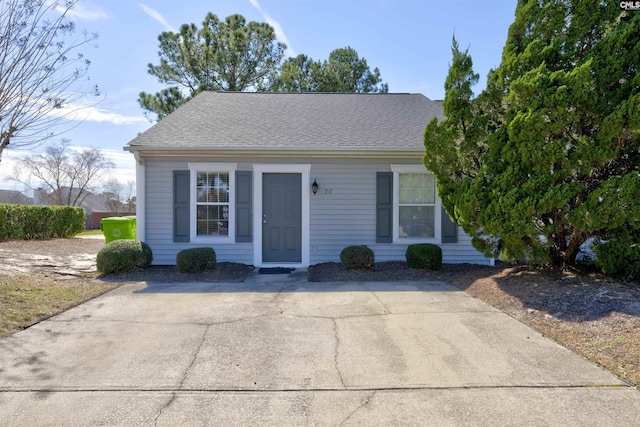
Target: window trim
437, 232
229, 168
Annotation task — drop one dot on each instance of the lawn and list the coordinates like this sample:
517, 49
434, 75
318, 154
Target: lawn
26, 300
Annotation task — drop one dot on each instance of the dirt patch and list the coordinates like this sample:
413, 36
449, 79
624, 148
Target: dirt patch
62, 257
224, 272
76, 257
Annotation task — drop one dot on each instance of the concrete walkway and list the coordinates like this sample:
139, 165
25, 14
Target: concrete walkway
278, 351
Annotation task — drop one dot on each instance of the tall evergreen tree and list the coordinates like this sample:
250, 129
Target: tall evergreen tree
299, 74
232, 56
344, 71
548, 154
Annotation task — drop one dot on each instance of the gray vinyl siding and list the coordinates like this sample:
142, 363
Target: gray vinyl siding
342, 213
159, 227
346, 216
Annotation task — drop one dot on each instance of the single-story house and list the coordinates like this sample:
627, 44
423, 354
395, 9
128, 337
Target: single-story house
14, 197
273, 179
95, 206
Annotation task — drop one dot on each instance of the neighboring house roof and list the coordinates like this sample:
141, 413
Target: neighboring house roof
15, 197
91, 203
300, 122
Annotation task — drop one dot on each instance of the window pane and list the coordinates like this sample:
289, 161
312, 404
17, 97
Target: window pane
201, 186
212, 220
212, 187
416, 221
417, 188
222, 187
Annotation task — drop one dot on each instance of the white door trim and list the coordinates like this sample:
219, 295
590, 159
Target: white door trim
258, 171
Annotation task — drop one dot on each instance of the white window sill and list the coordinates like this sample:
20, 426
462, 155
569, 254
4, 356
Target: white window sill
411, 241
212, 241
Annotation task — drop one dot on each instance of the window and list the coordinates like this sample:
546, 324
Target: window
416, 208
212, 201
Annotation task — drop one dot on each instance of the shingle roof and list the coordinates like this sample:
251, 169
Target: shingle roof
15, 197
293, 121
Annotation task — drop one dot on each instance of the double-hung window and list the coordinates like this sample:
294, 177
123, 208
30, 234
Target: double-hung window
415, 204
213, 201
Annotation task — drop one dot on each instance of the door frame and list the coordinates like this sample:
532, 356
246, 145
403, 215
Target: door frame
305, 171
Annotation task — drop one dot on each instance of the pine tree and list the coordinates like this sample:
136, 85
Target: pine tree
548, 154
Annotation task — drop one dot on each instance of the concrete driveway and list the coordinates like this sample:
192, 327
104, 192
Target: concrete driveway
280, 351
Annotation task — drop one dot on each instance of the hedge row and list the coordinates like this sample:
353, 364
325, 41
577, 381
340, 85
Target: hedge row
25, 222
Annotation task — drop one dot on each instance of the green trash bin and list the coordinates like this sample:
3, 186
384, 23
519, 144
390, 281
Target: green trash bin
118, 228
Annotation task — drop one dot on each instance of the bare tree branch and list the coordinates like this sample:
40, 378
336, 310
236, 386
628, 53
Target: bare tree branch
61, 175
41, 73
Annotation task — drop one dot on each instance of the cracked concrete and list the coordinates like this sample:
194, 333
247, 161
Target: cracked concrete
287, 352
337, 352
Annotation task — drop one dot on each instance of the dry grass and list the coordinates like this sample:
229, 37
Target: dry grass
26, 300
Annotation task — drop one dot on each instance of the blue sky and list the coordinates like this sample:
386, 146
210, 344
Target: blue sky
408, 40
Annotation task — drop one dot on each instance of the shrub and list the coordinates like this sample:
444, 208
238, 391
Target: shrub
357, 257
195, 260
121, 256
424, 256
24, 222
619, 255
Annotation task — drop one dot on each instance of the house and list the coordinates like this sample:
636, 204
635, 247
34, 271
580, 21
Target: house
13, 197
95, 206
272, 179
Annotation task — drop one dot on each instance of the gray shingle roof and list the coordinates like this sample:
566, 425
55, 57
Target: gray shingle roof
15, 197
291, 121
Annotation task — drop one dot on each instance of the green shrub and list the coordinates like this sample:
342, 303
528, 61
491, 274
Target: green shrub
121, 256
619, 255
24, 222
357, 257
195, 260
424, 256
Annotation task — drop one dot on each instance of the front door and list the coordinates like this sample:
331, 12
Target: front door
282, 217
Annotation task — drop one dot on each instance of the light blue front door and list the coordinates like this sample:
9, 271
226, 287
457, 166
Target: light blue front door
282, 217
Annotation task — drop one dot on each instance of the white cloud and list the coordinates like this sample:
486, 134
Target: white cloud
80, 11
276, 27
92, 114
7, 163
158, 17
125, 164
77, 112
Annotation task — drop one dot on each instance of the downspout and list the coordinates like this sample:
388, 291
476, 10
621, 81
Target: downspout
141, 209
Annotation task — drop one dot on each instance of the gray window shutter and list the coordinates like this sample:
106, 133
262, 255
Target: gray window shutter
181, 206
244, 198
449, 228
384, 207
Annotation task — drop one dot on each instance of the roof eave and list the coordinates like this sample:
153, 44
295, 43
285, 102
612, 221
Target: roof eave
273, 152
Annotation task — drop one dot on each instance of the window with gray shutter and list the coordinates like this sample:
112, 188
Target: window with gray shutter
384, 207
181, 206
449, 228
244, 215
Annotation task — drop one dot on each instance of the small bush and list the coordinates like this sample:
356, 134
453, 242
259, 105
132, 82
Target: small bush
424, 256
195, 260
121, 256
619, 255
357, 257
